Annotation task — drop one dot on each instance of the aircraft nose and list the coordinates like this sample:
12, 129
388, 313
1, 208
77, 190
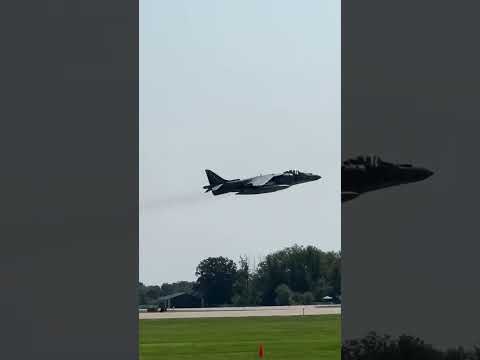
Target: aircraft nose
420, 174
316, 177
425, 173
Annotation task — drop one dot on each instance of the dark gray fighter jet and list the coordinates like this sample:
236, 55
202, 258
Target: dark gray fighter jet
364, 174
258, 184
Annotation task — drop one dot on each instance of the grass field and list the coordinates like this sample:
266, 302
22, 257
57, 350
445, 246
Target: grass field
283, 337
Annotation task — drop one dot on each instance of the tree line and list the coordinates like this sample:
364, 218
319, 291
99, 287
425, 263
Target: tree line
405, 347
294, 275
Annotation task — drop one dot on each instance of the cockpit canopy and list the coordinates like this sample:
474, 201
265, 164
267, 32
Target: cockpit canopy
297, 173
366, 161
370, 162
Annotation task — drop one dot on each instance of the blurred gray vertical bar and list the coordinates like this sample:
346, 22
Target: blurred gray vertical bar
411, 93
69, 221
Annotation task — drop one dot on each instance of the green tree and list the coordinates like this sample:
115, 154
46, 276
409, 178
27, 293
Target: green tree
215, 278
335, 276
322, 288
301, 269
242, 289
152, 293
141, 294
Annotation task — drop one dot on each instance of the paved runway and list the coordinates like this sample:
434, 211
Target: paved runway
244, 311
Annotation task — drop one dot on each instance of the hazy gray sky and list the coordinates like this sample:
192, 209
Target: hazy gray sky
242, 88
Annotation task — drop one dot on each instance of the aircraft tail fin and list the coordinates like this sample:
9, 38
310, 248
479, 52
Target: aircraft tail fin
214, 179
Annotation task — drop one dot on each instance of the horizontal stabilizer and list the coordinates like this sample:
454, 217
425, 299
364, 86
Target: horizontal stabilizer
349, 195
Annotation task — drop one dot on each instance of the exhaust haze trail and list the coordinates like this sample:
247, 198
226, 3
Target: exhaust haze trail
173, 201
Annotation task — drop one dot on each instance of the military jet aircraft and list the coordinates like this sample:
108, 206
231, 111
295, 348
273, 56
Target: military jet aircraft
258, 184
364, 174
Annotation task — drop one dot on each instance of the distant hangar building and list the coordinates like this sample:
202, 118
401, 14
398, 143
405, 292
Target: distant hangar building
181, 300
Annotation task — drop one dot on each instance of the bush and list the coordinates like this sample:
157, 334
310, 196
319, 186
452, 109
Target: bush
308, 298
283, 295
240, 300
297, 298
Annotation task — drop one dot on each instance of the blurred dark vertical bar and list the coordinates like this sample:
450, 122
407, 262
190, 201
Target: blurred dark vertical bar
69, 177
411, 93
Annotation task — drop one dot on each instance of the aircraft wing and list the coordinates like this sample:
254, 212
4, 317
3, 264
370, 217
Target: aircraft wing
260, 180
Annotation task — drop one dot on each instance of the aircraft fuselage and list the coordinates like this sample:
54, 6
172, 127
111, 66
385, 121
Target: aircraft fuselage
360, 176
259, 184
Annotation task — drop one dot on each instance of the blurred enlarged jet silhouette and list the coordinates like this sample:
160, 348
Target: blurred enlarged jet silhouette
364, 174
258, 184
